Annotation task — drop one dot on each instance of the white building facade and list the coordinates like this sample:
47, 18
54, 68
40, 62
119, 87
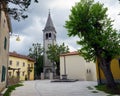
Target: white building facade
75, 67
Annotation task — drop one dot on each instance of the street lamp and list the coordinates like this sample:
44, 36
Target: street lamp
16, 35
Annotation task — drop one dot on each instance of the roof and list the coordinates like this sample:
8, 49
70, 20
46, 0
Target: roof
49, 24
70, 53
14, 54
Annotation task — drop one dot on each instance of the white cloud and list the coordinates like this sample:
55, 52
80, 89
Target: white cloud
62, 4
113, 11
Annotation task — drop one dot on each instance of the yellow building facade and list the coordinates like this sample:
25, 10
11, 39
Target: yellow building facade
115, 68
5, 29
21, 66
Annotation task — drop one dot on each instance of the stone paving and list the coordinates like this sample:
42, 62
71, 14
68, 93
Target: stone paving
47, 88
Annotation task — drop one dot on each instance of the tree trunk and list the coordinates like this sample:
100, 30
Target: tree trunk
105, 66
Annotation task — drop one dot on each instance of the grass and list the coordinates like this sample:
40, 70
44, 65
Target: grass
106, 90
11, 88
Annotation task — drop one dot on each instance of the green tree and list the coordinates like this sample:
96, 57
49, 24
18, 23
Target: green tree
36, 52
16, 8
100, 41
54, 52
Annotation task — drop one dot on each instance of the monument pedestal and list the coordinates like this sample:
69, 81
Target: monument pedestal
64, 77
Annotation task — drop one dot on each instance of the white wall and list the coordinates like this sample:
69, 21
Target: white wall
91, 71
76, 68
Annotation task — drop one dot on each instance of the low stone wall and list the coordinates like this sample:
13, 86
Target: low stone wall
2, 87
12, 80
3, 92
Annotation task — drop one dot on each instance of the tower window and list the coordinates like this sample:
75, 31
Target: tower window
49, 35
46, 35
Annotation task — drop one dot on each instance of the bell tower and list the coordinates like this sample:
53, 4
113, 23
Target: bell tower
49, 38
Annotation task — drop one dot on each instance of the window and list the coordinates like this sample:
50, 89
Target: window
31, 65
23, 73
17, 63
3, 73
17, 73
10, 74
5, 43
4, 23
49, 35
23, 64
88, 71
10, 63
46, 35
28, 65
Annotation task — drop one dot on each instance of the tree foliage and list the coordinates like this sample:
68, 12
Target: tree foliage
16, 8
36, 52
54, 52
100, 41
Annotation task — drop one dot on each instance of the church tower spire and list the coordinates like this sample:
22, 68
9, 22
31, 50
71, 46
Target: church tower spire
49, 38
49, 24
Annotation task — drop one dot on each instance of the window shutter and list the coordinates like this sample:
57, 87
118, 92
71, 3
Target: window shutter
5, 43
3, 73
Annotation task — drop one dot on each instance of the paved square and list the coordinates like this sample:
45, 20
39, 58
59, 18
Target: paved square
47, 88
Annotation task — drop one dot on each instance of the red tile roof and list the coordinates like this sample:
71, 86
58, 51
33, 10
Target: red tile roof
14, 54
70, 53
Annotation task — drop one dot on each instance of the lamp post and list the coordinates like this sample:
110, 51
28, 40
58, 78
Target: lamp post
15, 35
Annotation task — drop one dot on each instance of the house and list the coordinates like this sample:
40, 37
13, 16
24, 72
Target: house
5, 29
21, 66
75, 67
115, 69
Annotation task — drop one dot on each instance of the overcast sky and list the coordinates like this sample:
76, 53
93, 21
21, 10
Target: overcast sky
30, 30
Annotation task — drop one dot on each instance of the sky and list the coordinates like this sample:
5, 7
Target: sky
30, 29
